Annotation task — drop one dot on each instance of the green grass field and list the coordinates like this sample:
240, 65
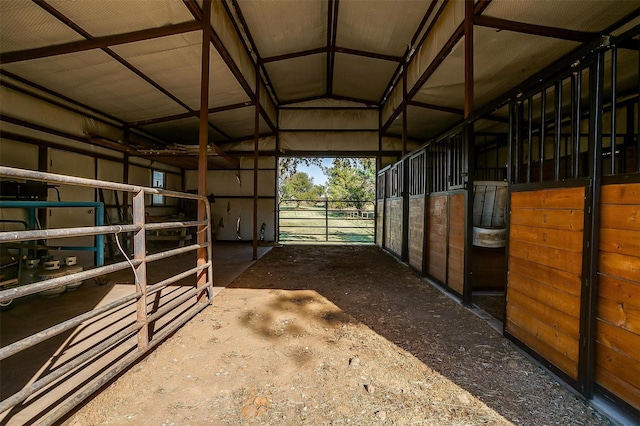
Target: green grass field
309, 223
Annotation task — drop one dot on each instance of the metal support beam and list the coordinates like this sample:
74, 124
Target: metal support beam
539, 30
331, 56
256, 158
468, 58
203, 141
98, 42
139, 253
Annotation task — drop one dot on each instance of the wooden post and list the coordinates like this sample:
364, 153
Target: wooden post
203, 141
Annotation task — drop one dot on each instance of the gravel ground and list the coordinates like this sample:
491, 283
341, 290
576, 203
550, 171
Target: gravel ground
335, 335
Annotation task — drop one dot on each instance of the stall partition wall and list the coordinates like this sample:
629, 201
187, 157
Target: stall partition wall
393, 210
573, 272
417, 208
546, 236
618, 297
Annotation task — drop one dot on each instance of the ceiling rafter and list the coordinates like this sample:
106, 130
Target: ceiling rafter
479, 8
184, 115
254, 48
539, 30
330, 10
331, 55
294, 55
97, 42
65, 20
228, 60
396, 75
434, 107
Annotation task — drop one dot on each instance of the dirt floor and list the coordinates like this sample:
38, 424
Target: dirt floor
335, 335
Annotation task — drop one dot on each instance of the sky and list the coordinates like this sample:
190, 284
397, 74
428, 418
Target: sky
315, 172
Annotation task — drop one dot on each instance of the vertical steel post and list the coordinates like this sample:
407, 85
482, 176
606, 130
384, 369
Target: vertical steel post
558, 134
100, 237
256, 137
326, 219
139, 253
203, 141
591, 245
614, 80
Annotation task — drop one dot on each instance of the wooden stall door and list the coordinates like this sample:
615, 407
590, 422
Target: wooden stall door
395, 226
455, 265
379, 222
437, 238
618, 302
545, 267
416, 232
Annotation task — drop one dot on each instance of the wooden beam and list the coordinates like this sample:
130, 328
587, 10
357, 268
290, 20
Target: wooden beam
98, 42
539, 30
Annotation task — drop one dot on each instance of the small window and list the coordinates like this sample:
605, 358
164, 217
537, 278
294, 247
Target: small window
157, 181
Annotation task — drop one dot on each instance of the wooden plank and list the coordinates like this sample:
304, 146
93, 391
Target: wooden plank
436, 266
456, 238
554, 238
618, 365
456, 210
619, 265
626, 292
620, 217
543, 348
557, 198
554, 258
456, 257
618, 339
437, 232
620, 241
627, 193
568, 346
569, 220
456, 281
559, 300
619, 387
555, 278
557, 319
623, 316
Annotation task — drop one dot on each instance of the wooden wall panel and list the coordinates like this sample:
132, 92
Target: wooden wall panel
455, 276
387, 223
437, 237
618, 303
395, 225
545, 267
416, 232
379, 221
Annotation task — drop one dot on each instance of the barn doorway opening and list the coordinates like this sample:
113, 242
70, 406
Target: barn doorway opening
326, 200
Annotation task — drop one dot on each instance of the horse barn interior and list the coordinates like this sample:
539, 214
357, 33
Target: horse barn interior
134, 132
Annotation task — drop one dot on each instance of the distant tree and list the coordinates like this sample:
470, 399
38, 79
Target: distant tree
287, 167
299, 186
351, 179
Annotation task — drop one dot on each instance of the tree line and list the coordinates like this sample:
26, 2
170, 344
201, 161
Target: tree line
348, 179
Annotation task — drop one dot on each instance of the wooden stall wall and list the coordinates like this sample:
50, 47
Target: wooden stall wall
455, 264
618, 302
387, 223
416, 232
379, 222
436, 250
545, 268
395, 226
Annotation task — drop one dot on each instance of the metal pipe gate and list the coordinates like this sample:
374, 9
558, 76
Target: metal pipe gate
145, 317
